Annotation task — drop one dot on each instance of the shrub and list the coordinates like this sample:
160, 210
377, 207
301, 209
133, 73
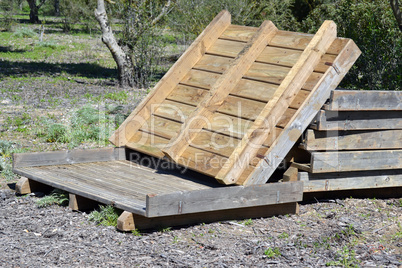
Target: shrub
24, 32
57, 133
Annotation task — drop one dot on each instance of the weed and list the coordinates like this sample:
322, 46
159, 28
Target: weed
272, 253
57, 133
135, 232
175, 239
49, 44
24, 32
107, 216
167, 229
345, 258
57, 197
248, 222
116, 96
283, 235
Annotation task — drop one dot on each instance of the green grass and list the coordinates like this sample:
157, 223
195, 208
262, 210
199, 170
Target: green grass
24, 32
56, 197
345, 258
272, 252
106, 215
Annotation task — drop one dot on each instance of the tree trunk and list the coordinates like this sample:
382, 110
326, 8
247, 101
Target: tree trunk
33, 14
56, 8
397, 12
124, 63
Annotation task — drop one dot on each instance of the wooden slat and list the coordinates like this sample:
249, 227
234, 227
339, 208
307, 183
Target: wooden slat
322, 162
285, 94
239, 33
226, 48
352, 140
358, 120
220, 90
350, 180
171, 78
305, 114
223, 198
368, 100
67, 157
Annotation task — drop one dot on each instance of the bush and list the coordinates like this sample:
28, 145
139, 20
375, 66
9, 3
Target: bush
24, 32
372, 26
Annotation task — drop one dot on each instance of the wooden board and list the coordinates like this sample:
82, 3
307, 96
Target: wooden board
357, 120
367, 100
322, 162
350, 180
242, 88
352, 140
146, 186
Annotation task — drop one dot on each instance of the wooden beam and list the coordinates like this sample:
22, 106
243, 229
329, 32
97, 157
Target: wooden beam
223, 198
350, 180
322, 162
281, 100
365, 100
144, 223
290, 174
357, 120
352, 140
220, 91
304, 115
175, 74
27, 186
125, 222
77, 202
67, 157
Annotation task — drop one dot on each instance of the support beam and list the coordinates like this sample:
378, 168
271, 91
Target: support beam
275, 108
27, 186
220, 90
125, 222
176, 73
80, 203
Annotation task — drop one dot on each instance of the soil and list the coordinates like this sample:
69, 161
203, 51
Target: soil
334, 232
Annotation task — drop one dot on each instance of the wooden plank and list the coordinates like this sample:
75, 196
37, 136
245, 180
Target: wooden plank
352, 140
173, 110
175, 74
368, 100
223, 198
350, 180
305, 114
290, 174
220, 91
227, 48
144, 223
239, 33
357, 120
322, 162
274, 109
67, 157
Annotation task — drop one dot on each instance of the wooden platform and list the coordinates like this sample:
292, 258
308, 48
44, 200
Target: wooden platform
238, 99
146, 187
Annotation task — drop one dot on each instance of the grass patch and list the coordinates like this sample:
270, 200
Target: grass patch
107, 216
56, 197
345, 258
24, 32
272, 252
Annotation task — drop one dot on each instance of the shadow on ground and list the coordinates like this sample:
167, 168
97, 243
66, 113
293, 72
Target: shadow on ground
89, 70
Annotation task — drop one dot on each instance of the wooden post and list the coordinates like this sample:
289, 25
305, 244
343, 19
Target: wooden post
27, 186
125, 222
77, 202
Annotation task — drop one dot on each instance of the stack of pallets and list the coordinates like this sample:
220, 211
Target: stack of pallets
355, 142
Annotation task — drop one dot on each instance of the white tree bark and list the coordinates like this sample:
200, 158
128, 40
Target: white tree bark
123, 61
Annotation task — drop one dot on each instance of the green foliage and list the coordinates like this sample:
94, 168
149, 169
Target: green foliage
7, 10
57, 133
49, 44
135, 232
56, 197
283, 235
78, 11
373, 28
107, 216
345, 258
24, 32
248, 222
272, 252
6, 150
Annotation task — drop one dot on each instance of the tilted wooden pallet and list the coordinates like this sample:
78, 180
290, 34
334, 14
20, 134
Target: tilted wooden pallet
238, 99
355, 142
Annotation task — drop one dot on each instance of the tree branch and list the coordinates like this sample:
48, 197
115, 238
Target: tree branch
164, 11
397, 12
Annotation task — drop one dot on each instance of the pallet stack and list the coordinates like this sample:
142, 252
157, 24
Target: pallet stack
355, 142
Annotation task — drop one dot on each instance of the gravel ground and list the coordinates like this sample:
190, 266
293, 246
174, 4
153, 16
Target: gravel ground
348, 233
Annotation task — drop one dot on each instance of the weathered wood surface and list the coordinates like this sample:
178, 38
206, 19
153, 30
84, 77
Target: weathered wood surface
350, 180
67, 157
367, 100
223, 198
125, 222
357, 120
352, 140
323, 162
305, 114
274, 109
170, 80
76, 202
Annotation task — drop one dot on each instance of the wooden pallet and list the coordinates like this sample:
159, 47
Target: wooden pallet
355, 142
152, 194
238, 99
